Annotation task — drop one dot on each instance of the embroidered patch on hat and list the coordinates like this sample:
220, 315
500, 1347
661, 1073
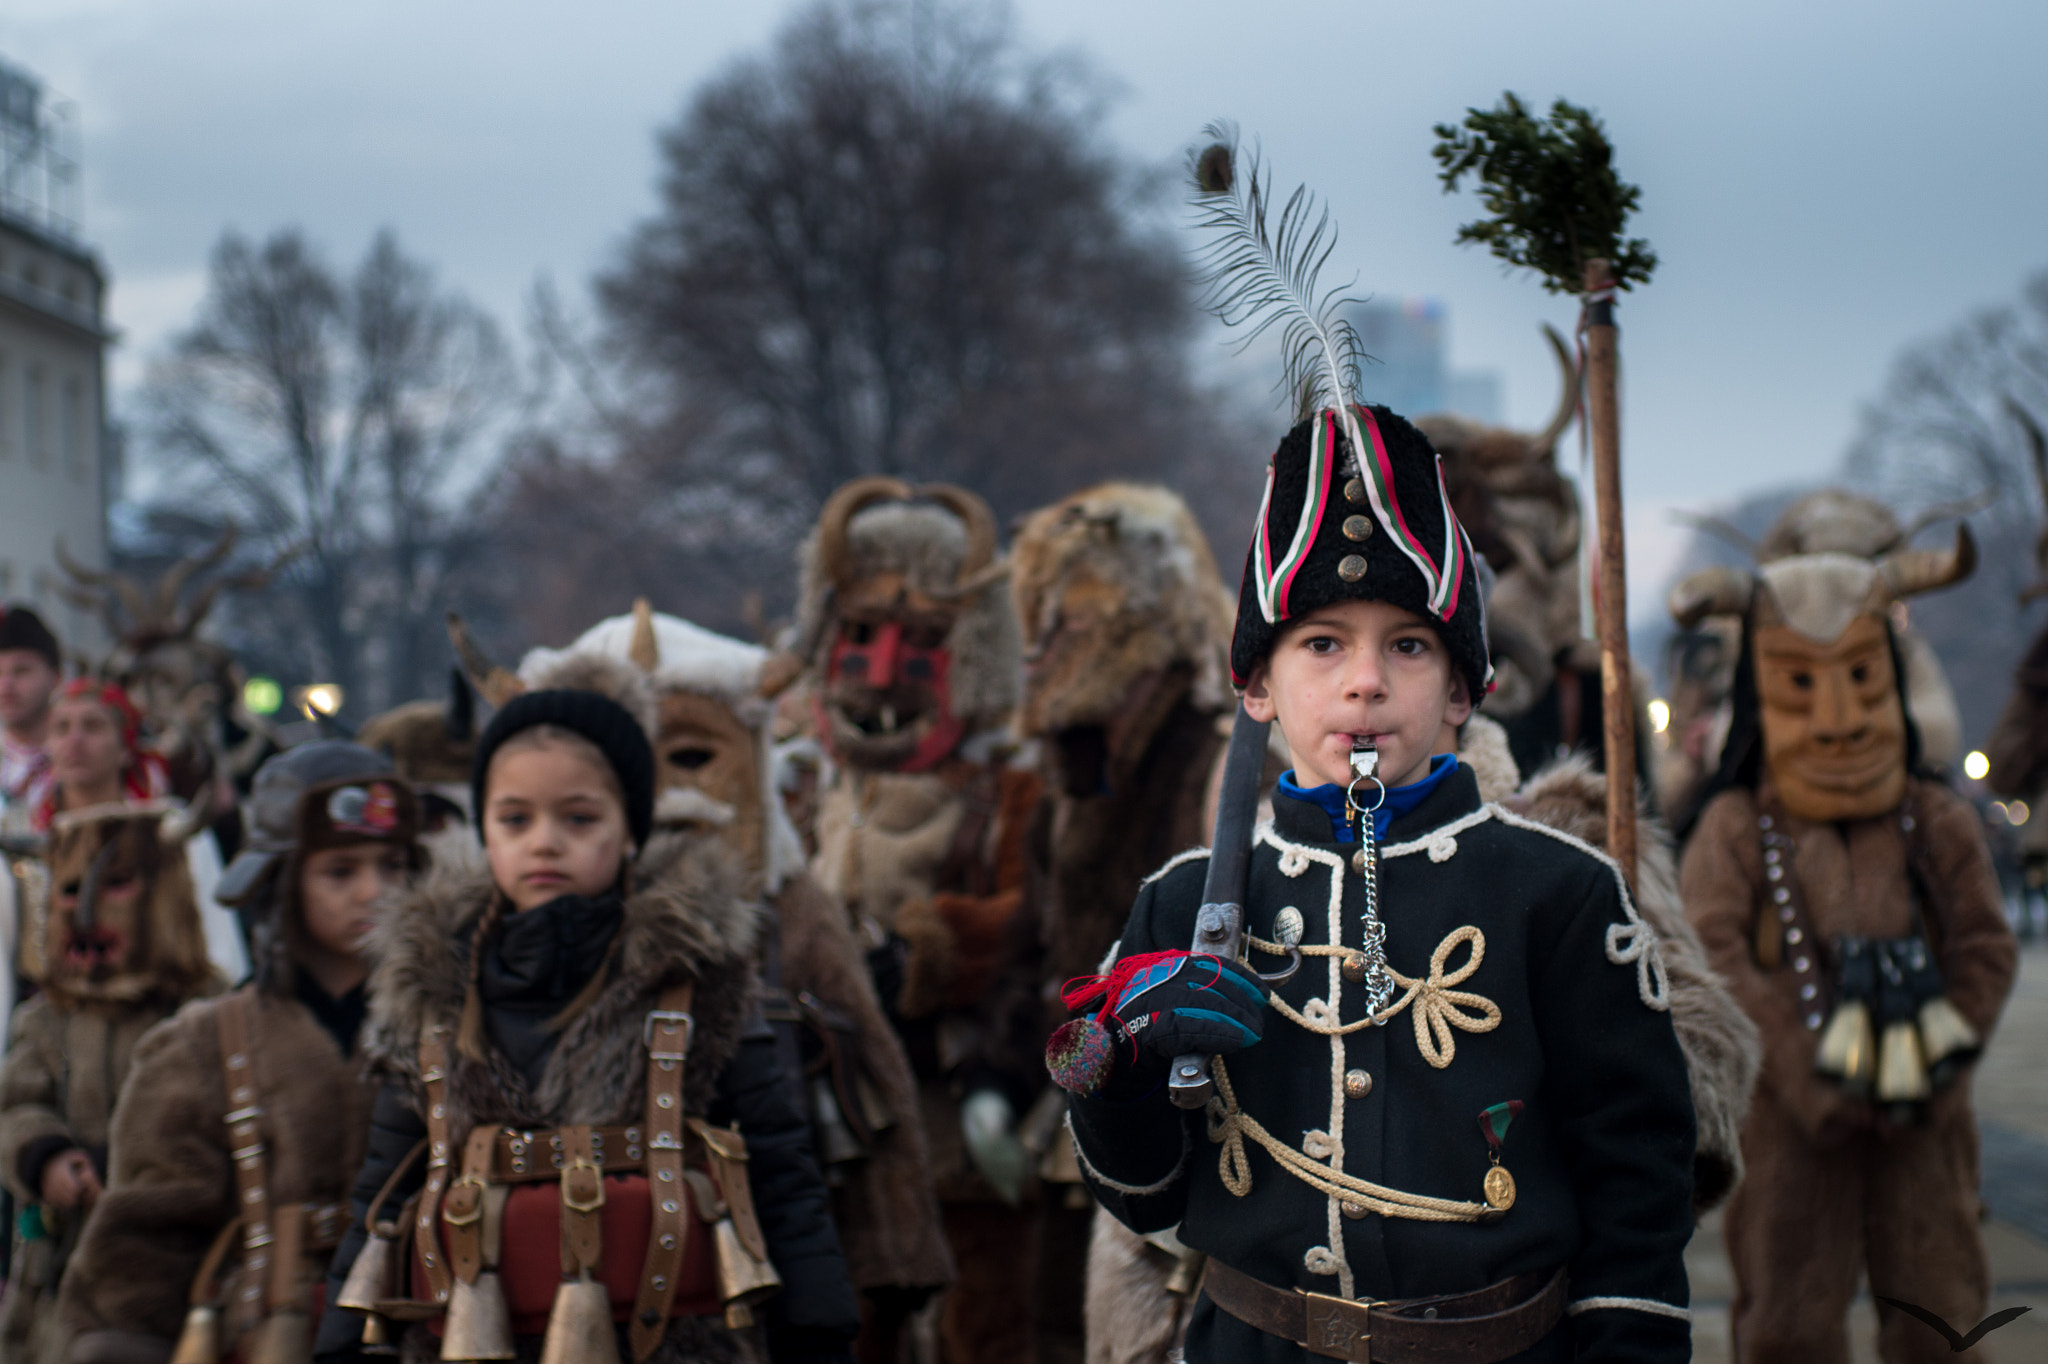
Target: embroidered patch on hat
370, 810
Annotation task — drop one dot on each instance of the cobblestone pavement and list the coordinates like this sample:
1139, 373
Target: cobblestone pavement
2012, 1106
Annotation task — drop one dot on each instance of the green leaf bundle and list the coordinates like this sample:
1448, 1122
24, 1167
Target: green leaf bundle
1551, 188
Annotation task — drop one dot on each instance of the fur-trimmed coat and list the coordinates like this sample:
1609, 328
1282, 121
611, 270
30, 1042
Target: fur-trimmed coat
686, 920
63, 1073
172, 1186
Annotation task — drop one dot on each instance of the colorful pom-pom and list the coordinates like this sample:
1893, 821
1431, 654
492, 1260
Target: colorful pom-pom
1078, 1056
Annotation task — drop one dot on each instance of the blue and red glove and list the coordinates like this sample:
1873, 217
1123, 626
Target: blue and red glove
1155, 1007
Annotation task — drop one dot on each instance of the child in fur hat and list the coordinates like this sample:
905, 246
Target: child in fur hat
588, 988
332, 831
1476, 995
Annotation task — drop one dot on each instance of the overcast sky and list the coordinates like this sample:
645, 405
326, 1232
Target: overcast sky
1825, 182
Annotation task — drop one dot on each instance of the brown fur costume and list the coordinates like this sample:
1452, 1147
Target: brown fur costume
69, 1048
928, 848
1126, 627
685, 920
1821, 1175
1823, 831
172, 1185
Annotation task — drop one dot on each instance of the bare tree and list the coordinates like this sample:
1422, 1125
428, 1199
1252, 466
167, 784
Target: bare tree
1946, 428
896, 244
329, 414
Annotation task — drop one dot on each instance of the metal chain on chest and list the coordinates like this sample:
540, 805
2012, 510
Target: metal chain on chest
1379, 982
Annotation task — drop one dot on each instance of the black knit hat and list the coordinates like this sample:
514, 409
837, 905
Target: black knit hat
597, 718
1333, 529
21, 628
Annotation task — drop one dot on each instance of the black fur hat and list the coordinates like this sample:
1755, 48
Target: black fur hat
21, 628
1333, 528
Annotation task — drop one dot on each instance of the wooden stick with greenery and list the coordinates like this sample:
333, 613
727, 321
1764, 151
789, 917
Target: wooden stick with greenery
1559, 209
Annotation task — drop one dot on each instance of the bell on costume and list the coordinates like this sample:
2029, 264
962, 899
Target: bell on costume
1946, 1037
1847, 1052
1948, 1040
742, 1279
199, 1341
369, 1282
285, 1337
580, 1325
369, 1279
1902, 1082
478, 1324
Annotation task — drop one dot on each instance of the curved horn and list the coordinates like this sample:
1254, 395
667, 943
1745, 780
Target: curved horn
645, 649
496, 684
840, 508
120, 584
1719, 591
1542, 444
178, 574
1946, 511
1909, 572
181, 824
778, 670
981, 528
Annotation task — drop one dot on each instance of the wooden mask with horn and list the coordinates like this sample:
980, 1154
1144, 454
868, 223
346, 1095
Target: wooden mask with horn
1828, 693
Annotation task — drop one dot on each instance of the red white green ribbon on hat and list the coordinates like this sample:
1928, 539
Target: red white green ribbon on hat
1377, 470
1271, 581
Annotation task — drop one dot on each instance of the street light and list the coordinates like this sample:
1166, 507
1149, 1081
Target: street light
319, 701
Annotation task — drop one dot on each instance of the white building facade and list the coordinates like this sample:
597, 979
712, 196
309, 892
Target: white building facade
54, 479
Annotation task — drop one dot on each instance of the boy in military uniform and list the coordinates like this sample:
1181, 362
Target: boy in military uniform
1461, 1130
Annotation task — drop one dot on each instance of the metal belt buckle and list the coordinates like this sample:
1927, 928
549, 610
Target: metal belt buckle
1339, 1327
590, 1201
675, 1016
465, 1202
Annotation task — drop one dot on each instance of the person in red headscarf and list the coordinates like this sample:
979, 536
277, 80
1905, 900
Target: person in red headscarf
95, 747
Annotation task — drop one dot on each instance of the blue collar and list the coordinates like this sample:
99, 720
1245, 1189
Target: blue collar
1400, 799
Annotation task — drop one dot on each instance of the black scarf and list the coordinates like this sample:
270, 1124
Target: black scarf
534, 964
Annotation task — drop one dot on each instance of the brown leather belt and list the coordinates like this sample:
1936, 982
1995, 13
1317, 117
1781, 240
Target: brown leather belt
525, 1157
1481, 1327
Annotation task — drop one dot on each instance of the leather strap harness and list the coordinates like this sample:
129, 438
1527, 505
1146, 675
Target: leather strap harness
471, 1208
1490, 1324
667, 1034
274, 1241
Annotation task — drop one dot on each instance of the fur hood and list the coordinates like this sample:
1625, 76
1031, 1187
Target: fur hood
686, 919
1722, 1050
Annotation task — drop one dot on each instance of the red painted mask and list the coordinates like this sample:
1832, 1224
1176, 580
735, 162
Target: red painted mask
887, 700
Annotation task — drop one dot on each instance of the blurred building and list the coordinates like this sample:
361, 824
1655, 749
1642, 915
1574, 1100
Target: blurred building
1410, 372
54, 479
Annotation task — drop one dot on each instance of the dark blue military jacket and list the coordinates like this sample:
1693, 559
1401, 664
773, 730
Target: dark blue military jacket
1558, 1000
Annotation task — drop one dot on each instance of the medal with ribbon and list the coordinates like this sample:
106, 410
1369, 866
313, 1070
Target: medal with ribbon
1493, 1125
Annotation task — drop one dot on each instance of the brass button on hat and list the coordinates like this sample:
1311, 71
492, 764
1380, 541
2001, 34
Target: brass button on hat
1354, 491
1358, 528
1357, 1084
1351, 567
